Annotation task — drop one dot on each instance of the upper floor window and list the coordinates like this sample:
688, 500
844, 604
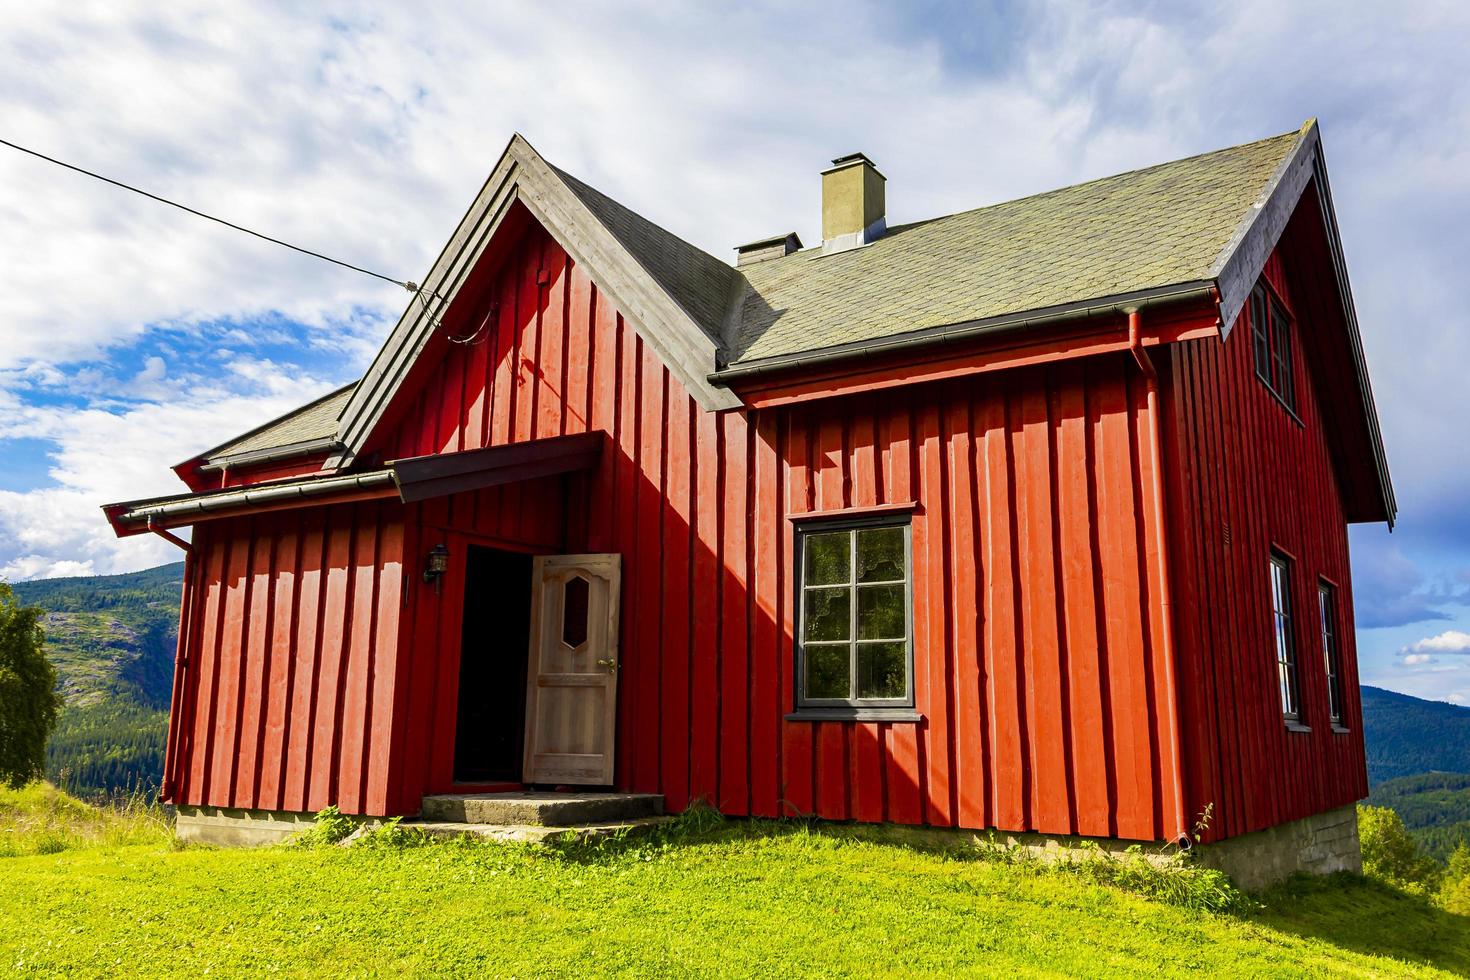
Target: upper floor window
854, 632
1327, 608
1271, 336
1285, 648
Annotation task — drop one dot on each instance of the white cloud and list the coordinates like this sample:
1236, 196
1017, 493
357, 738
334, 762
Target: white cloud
1414, 659
1450, 641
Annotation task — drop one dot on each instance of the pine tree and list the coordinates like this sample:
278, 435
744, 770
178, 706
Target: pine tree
28, 698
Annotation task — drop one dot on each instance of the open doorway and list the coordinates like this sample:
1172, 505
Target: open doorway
490, 730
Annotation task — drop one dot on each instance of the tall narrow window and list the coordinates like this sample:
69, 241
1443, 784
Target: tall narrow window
1271, 344
1281, 625
1327, 606
854, 643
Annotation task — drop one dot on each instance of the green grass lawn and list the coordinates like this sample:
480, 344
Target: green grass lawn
736, 899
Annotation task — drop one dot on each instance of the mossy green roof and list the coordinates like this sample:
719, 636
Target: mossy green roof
1140, 230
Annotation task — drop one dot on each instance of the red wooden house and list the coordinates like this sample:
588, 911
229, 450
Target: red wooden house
1031, 517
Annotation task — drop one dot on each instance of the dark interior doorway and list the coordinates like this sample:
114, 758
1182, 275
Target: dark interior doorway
490, 732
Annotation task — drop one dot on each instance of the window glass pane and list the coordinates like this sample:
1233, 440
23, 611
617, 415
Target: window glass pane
1259, 329
827, 670
880, 612
882, 670
828, 559
828, 614
575, 596
880, 555
1281, 344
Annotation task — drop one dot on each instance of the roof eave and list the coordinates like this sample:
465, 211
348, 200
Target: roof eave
1202, 289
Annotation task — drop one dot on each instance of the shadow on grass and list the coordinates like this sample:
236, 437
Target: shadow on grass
1366, 916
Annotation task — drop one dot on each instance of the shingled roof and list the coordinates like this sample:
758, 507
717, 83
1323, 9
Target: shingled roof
311, 422
1140, 230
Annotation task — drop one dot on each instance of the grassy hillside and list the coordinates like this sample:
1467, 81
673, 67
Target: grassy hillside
112, 640
710, 898
1435, 808
1407, 735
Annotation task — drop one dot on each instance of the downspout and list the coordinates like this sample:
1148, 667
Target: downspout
186, 618
1161, 568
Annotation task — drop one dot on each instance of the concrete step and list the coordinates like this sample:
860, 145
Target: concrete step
534, 833
532, 809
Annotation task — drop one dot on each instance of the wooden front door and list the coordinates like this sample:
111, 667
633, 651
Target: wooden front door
572, 684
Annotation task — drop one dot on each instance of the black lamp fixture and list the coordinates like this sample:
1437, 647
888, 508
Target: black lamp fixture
436, 565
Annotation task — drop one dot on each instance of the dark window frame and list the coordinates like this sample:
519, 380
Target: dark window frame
851, 708
1286, 666
1327, 609
1272, 343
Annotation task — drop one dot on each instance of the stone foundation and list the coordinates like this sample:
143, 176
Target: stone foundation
226, 827
1318, 845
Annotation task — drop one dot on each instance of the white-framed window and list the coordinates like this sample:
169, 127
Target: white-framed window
854, 629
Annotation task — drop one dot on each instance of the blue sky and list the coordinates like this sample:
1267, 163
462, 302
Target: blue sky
132, 336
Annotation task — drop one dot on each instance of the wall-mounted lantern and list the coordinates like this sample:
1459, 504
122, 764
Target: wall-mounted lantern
436, 565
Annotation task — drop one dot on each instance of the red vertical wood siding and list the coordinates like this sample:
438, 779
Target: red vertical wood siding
1034, 718
1036, 660
297, 619
1246, 476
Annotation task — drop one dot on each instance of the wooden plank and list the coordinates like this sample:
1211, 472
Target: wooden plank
676, 590
1080, 604
550, 367
282, 664
384, 715
1047, 704
1004, 657
766, 660
224, 739
206, 670
647, 600
256, 667
322, 788
706, 608
736, 606
306, 647
1123, 612
931, 595
970, 759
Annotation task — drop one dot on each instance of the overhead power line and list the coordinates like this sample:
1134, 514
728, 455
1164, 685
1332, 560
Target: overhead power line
410, 286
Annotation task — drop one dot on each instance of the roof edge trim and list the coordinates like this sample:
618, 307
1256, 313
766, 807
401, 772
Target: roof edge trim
968, 329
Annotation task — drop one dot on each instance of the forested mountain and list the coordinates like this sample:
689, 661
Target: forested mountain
1408, 735
1434, 806
111, 638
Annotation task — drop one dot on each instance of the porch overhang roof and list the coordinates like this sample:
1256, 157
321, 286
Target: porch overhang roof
411, 479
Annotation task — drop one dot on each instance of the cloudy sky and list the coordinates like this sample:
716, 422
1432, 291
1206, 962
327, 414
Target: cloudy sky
132, 336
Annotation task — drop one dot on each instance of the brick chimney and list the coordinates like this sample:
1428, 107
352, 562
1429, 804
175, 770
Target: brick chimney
852, 203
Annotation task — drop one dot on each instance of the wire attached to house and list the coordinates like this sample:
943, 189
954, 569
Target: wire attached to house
409, 285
